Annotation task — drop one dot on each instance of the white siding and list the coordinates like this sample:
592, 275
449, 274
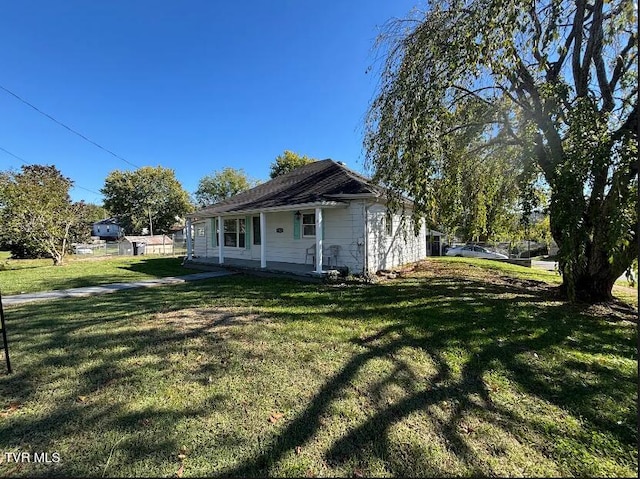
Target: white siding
403, 246
345, 227
342, 226
200, 238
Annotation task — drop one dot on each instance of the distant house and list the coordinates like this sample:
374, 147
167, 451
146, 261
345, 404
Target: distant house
322, 215
179, 232
107, 229
139, 245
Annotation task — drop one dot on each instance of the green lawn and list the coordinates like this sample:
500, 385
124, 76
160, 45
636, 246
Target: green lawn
28, 276
455, 368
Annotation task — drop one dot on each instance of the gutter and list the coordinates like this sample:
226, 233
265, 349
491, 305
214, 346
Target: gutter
274, 209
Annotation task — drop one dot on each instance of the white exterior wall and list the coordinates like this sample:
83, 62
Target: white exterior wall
200, 239
345, 227
387, 252
101, 230
342, 226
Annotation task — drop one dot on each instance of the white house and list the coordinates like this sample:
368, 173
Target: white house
323, 215
107, 229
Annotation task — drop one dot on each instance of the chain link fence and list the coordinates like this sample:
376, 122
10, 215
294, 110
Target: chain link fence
176, 247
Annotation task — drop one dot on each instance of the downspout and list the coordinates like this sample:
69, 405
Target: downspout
365, 212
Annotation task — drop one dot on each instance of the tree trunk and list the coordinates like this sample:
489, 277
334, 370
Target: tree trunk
595, 288
590, 264
592, 281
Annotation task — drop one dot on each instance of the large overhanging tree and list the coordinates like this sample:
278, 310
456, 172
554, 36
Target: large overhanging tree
555, 79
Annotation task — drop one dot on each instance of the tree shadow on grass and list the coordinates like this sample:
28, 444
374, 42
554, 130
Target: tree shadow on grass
494, 334
76, 368
159, 266
498, 328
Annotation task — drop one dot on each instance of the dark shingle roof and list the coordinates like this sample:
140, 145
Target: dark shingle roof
107, 221
315, 182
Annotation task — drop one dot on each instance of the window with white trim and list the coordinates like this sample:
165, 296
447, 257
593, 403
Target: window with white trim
388, 224
308, 225
234, 233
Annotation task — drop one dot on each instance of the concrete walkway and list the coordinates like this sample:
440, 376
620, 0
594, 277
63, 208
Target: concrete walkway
108, 288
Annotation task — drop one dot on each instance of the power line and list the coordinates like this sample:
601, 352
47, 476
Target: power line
27, 163
15, 156
67, 127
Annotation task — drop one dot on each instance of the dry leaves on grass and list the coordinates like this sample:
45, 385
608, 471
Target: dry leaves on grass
11, 408
182, 455
275, 417
466, 428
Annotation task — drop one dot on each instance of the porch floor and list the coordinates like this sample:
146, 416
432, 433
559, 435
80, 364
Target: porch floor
294, 269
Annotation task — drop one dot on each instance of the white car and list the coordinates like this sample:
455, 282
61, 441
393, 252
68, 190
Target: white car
473, 251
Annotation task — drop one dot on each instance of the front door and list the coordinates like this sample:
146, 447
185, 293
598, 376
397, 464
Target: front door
256, 237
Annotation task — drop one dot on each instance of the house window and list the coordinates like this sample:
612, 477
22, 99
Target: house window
388, 224
309, 224
234, 233
256, 229
108, 228
98, 229
200, 231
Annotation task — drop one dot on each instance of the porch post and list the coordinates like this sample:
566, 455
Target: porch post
220, 241
263, 240
318, 240
189, 243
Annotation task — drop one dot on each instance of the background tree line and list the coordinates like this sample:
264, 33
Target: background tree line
39, 219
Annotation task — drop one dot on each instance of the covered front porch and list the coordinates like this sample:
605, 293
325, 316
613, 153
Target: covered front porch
289, 239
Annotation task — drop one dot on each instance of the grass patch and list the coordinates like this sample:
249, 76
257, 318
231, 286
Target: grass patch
512, 270
29, 276
453, 369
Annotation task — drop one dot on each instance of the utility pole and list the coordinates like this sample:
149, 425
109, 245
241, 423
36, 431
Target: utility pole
150, 222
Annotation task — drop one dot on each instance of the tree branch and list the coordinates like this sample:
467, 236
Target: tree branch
620, 68
629, 126
578, 78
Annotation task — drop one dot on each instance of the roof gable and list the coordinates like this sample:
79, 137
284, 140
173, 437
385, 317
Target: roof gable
323, 180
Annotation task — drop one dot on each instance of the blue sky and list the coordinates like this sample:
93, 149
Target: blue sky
190, 85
